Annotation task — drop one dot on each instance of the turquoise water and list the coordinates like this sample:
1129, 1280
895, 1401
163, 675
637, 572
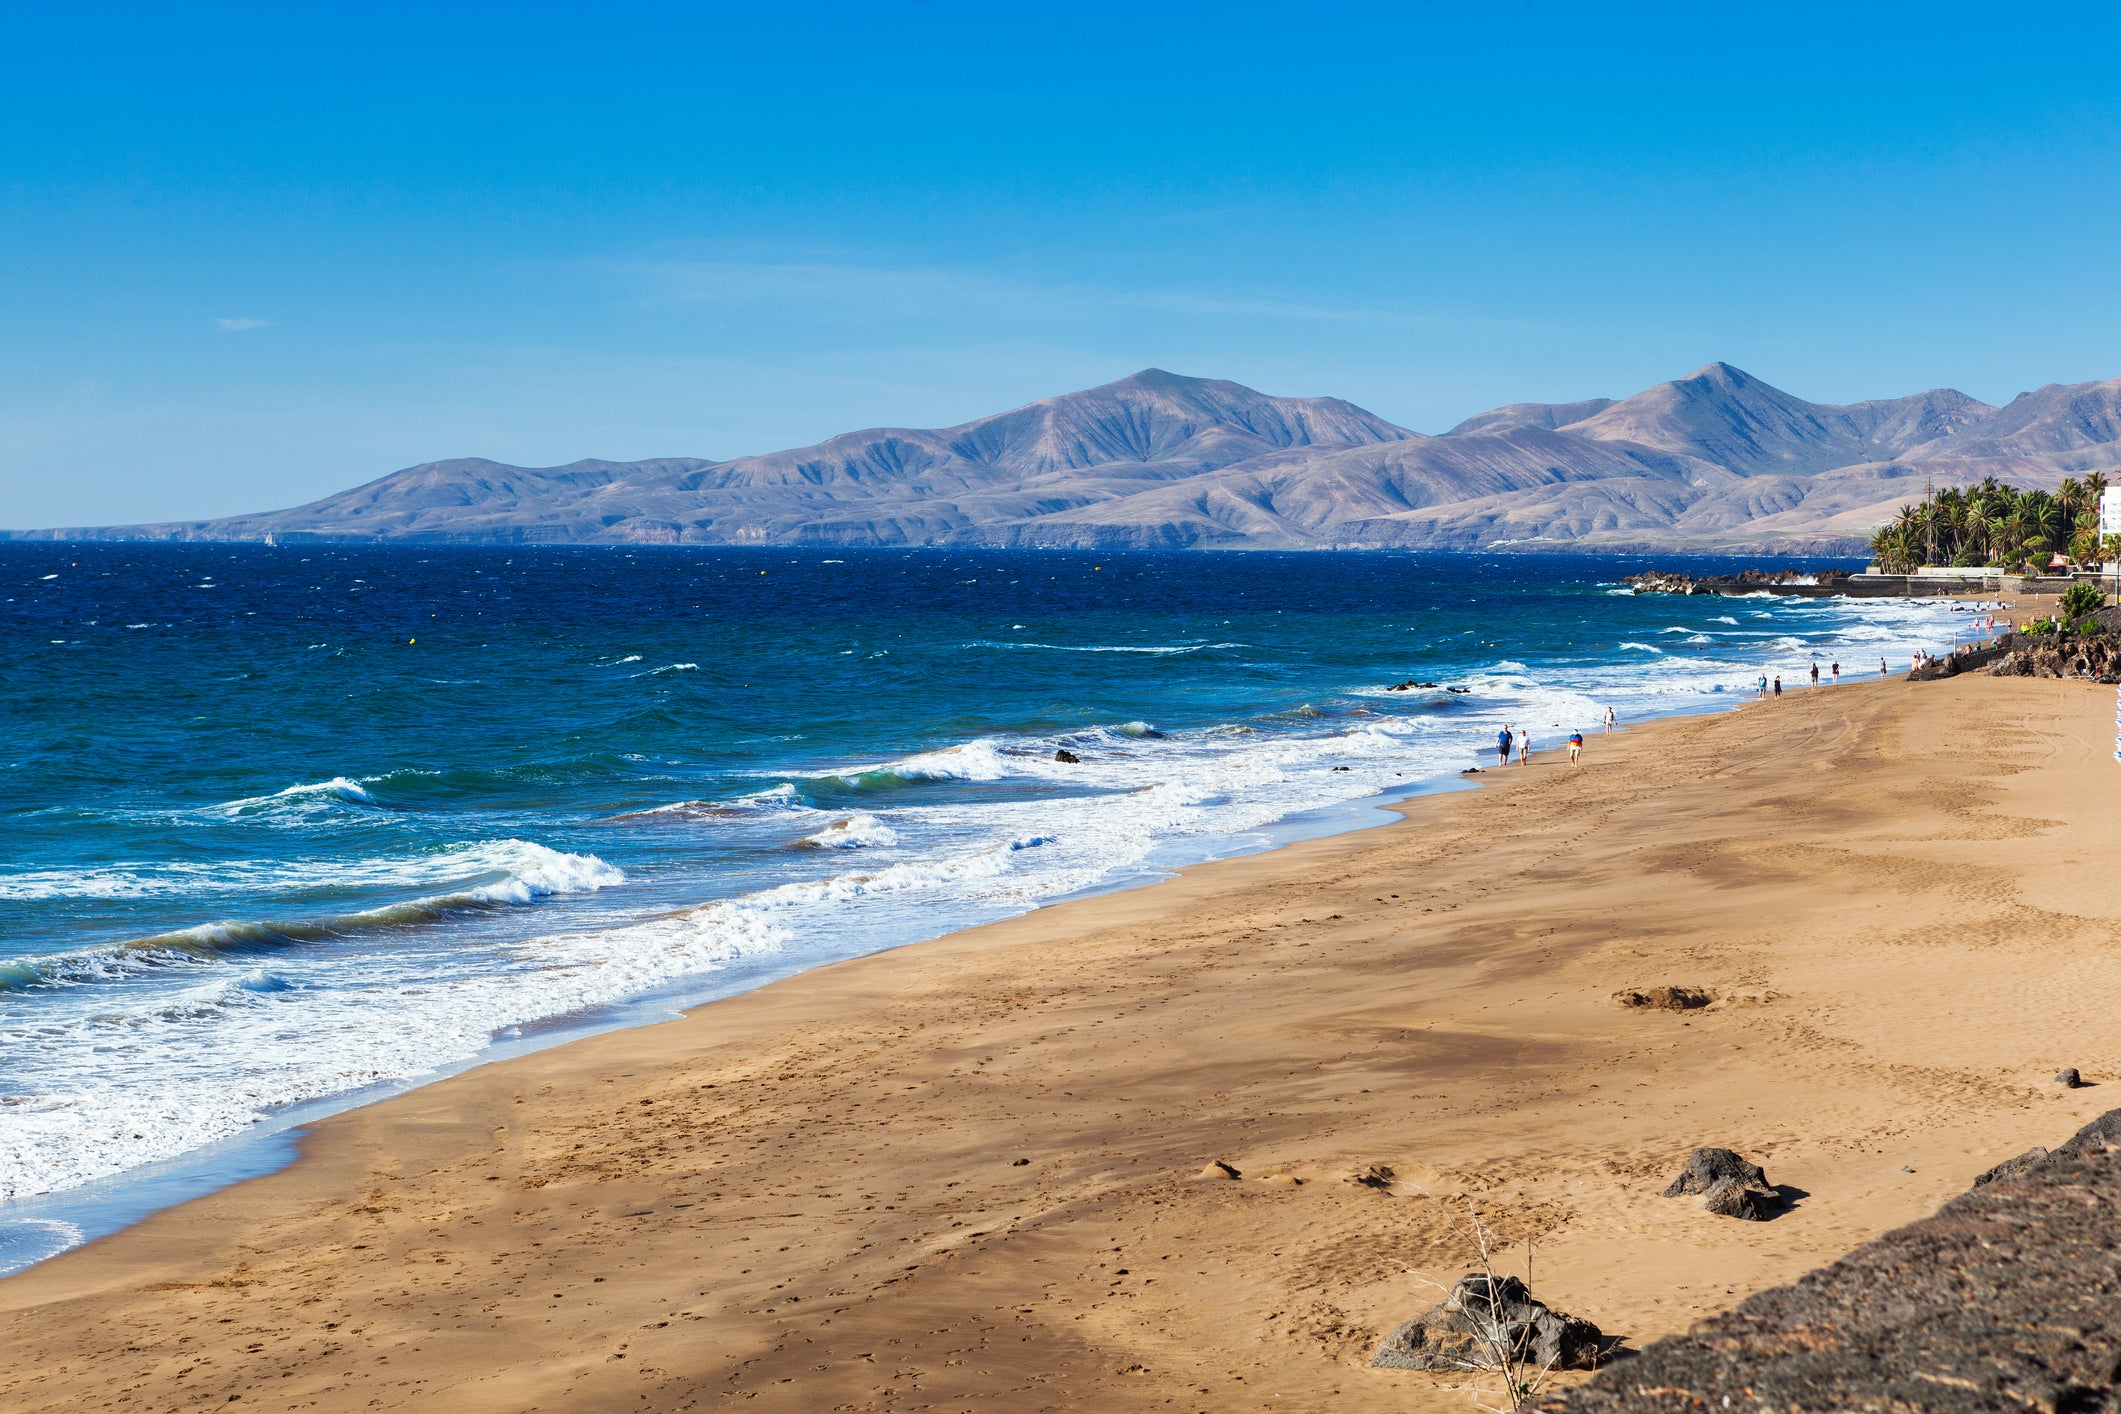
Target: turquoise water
284, 825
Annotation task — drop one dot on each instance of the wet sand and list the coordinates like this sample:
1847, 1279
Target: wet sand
977, 1173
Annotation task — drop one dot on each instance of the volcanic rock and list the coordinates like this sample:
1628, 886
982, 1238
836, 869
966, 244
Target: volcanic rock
1484, 1318
2012, 1168
1665, 998
1732, 1187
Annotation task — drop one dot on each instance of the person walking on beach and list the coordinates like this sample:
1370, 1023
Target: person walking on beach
1763, 684
1815, 672
1837, 672
1881, 667
1502, 747
1778, 684
1575, 746
1610, 720
1524, 748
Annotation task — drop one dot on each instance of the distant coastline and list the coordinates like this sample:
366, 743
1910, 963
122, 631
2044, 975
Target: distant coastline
1718, 462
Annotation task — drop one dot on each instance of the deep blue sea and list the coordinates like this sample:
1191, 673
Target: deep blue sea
284, 824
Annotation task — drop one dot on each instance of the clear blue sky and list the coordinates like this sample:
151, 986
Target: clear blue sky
250, 255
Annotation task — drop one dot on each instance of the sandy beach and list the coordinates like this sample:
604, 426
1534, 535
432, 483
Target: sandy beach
980, 1173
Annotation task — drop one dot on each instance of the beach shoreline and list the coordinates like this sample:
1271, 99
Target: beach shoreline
1305, 976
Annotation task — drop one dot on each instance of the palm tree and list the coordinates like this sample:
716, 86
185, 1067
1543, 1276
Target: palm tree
1979, 528
2045, 515
2070, 497
1889, 548
2017, 528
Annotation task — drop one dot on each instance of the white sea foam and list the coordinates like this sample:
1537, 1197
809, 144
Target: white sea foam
978, 760
854, 832
1151, 648
27, 1241
338, 788
470, 864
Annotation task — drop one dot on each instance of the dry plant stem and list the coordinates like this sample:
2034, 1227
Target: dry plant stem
1520, 1388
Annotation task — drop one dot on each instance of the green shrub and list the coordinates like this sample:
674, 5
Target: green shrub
2078, 601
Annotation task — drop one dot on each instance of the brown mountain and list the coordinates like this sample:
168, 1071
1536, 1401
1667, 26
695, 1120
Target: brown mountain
1717, 460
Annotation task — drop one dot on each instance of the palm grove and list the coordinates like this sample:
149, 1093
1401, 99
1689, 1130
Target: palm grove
1996, 525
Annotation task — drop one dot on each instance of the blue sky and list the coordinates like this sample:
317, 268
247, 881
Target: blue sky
250, 255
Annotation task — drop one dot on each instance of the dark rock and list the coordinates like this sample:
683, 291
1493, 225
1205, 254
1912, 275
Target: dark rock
2045, 655
1375, 1176
1705, 1168
2069, 1079
1735, 1198
1067, 757
1458, 689
1659, 582
1665, 998
1408, 686
1484, 1317
1665, 582
1733, 1187
2012, 1168
1227, 1170
2007, 1299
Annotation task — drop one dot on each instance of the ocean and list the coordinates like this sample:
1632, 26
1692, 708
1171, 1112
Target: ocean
286, 827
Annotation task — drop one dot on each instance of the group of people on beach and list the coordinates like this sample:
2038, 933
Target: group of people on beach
1512, 738
1773, 688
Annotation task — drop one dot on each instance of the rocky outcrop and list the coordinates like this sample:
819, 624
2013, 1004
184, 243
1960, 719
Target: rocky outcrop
1482, 1320
1744, 582
2012, 1168
1660, 582
2008, 1298
1730, 1187
1969, 660
2096, 656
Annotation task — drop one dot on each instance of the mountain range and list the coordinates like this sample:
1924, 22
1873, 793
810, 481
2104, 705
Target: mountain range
1717, 461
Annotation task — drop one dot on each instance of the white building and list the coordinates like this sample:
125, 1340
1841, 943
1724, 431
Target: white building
2110, 512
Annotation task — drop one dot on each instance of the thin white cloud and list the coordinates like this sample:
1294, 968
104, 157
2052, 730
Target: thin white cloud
892, 292
237, 326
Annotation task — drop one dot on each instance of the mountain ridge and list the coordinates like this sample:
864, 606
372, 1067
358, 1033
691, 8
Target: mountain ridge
1717, 460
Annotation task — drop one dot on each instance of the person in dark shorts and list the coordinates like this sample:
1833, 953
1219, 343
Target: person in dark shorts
1502, 747
1778, 684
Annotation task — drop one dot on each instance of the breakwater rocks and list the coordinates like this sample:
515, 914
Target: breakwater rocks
2007, 1299
1744, 582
